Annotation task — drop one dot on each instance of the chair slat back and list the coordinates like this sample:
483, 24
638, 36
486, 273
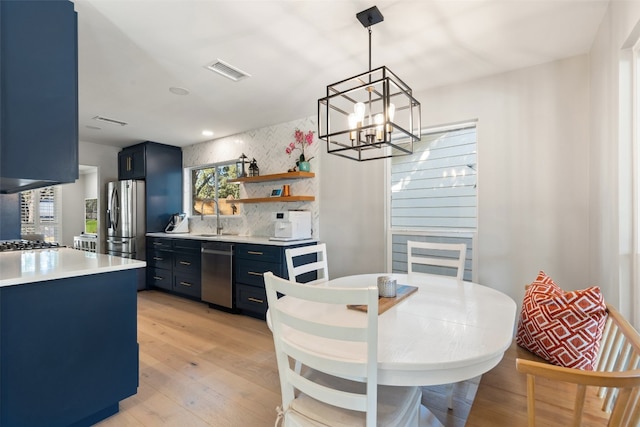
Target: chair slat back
356, 356
617, 374
295, 269
450, 255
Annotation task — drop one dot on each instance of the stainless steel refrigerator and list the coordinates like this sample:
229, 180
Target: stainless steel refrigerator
126, 220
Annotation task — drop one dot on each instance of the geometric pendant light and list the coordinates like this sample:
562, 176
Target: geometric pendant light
372, 115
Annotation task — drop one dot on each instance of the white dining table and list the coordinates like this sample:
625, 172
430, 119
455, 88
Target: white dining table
447, 331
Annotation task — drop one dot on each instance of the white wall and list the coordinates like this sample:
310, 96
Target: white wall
533, 163
610, 162
73, 196
352, 214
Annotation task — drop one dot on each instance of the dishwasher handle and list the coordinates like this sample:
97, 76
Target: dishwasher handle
217, 252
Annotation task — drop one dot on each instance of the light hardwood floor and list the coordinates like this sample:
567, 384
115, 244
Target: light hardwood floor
204, 367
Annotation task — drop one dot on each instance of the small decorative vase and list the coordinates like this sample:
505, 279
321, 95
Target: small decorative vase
304, 166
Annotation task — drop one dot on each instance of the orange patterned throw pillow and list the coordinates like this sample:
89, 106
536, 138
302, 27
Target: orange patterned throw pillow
563, 328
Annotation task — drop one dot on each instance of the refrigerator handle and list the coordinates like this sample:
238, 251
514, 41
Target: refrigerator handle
115, 204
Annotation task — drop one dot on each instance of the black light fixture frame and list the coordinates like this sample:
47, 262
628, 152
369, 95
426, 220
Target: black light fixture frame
376, 89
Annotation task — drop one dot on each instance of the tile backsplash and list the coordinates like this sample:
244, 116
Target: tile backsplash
267, 145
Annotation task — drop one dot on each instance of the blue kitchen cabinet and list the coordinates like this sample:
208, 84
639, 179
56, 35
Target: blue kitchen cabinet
251, 262
187, 279
174, 265
68, 349
131, 163
9, 216
160, 165
39, 94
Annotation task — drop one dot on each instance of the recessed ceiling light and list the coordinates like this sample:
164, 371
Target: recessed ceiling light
207, 133
178, 90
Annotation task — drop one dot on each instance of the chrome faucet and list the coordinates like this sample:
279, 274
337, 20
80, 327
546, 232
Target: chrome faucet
202, 208
218, 226
215, 201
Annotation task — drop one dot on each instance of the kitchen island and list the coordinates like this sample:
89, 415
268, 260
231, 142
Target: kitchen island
68, 336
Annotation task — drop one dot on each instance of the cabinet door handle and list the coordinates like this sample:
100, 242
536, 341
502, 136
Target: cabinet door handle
187, 284
255, 253
255, 300
253, 273
158, 278
185, 263
128, 163
155, 258
157, 243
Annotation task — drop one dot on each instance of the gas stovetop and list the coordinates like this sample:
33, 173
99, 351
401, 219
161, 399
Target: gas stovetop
25, 245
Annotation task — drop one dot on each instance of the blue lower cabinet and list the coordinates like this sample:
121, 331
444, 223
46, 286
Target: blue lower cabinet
174, 265
68, 349
159, 278
251, 262
187, 284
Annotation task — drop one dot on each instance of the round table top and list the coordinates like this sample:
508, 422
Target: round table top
446, 331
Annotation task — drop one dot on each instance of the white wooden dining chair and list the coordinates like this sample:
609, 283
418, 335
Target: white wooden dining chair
440, 258
296, 266
340, 385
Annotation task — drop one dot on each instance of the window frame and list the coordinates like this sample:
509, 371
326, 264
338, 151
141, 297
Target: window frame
443, 234
216, 188
50, 229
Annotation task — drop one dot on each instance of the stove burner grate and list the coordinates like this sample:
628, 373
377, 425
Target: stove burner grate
26, 245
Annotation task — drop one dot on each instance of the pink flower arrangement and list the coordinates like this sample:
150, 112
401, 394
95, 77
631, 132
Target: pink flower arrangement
301, 140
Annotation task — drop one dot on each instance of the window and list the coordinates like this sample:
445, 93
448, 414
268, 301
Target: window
91, 216
40, 213
210, 184
433, 194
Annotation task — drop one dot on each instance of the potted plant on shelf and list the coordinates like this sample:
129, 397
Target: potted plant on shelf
301, 140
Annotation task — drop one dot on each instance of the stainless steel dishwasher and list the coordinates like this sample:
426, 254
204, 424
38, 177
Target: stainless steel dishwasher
217, 274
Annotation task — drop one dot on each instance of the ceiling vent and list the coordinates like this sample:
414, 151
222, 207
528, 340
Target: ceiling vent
108, 120
228, 70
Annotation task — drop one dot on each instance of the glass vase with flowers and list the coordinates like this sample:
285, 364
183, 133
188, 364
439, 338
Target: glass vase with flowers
301, 140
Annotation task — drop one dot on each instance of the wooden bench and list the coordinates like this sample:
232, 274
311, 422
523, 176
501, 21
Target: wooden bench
546, 395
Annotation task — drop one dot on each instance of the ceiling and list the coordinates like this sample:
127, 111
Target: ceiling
131, 52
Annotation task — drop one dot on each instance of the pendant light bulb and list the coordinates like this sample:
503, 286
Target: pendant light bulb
378, 120
391, 110
353, 121
359, 110
353, 124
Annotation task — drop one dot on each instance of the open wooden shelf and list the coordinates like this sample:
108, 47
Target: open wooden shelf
275, 177
274, 199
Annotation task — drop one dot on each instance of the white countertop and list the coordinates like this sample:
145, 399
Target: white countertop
20, 267
230, 238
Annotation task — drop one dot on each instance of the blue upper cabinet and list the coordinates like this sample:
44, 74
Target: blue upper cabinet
160, 165
132, 163
38, 94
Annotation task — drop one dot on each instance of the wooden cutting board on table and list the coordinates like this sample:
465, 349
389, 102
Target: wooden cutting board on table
385, 304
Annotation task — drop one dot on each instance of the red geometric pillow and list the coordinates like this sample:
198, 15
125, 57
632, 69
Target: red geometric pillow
563, 328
